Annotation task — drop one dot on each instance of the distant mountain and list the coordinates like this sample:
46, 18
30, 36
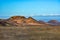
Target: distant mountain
54, 22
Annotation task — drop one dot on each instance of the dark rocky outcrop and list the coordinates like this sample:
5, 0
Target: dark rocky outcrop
41, 22
54, 22
4, 22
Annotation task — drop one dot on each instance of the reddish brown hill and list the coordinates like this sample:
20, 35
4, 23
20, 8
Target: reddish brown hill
17, 19
30, 20
22, 20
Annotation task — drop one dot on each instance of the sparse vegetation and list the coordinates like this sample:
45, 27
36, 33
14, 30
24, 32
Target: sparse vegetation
21, 28
30, 33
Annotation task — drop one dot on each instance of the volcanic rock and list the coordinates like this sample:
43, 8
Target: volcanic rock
54, 22
41, 22
30, 20
4, 22
17, 19
21, 20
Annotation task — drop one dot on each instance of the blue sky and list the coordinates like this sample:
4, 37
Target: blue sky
29, 7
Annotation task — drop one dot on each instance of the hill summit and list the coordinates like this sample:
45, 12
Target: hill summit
22, 20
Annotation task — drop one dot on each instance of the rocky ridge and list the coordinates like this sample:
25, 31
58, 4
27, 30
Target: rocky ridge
21, 20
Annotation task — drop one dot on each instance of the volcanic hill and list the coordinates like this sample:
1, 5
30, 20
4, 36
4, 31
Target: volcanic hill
17, 20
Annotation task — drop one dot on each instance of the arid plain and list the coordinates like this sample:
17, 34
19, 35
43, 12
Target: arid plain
11, 29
